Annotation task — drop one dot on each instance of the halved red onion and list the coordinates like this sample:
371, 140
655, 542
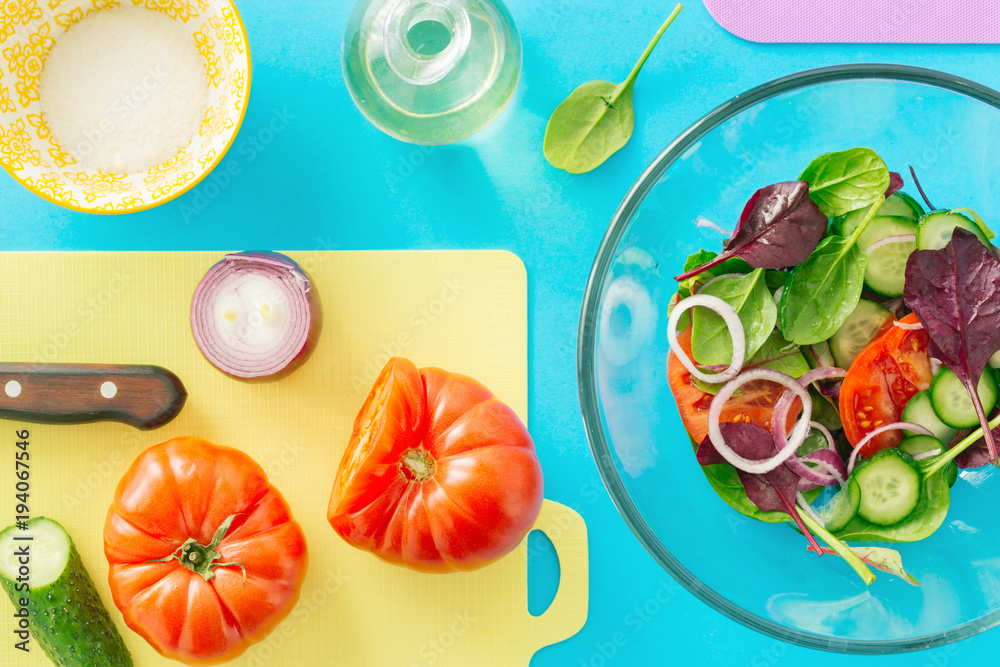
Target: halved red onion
736, 331
909, 326
888, 240
908, 426
785, 450
256, 315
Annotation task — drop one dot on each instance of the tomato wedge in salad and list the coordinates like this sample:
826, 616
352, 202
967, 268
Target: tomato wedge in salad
881, 381
753, 404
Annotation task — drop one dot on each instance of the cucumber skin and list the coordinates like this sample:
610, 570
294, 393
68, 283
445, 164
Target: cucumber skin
69, 621
880, 459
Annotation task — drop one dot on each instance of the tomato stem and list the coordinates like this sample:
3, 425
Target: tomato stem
417, 465
200, 558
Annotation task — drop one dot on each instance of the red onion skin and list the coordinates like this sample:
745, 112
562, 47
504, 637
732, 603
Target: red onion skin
315, 310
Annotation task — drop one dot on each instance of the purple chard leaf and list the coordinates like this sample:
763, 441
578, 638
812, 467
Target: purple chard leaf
895, 184
780, 227
955, 291
771, 492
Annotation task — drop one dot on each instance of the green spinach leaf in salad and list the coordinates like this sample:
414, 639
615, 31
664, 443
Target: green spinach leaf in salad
725, 481
925, 518
776, 354
847, 180
825, 289
748, 295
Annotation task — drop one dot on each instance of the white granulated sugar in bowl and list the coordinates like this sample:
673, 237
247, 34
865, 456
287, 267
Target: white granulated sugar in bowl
124, 89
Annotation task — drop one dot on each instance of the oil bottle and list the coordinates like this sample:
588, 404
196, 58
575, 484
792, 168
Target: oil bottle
431, 71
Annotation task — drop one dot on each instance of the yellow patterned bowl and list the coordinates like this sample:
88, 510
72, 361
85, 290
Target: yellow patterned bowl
29, 29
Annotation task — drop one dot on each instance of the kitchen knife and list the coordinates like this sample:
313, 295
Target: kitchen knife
145, 397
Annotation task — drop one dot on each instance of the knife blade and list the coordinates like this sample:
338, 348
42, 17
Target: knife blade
145, 397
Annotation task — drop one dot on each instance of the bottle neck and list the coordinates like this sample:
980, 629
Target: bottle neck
425, 39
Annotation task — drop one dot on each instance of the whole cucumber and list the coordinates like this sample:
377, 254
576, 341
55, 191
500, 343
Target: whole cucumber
46, 581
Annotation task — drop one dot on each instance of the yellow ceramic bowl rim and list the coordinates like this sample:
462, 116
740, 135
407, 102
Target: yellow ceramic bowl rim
208, 170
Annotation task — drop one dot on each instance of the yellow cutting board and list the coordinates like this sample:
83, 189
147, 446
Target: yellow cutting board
463, 311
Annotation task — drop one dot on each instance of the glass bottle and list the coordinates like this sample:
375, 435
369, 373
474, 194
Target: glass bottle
431, 71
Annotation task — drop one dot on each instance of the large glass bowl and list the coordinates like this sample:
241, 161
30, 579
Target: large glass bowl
760, 574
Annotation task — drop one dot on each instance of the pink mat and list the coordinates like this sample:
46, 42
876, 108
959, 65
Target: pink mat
896, 21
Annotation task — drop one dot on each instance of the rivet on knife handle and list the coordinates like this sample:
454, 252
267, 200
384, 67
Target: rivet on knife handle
145, 397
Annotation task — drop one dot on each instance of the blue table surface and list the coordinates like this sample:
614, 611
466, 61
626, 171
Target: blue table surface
326, 179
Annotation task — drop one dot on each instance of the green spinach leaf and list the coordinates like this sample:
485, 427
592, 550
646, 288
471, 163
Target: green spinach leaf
688, 287
725, 480
925, 518
777, 354
775, 279
825, 289
846, 181
825, 411
711, 342
596, 120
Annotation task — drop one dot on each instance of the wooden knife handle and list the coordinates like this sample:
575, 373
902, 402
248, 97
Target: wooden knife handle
145, 397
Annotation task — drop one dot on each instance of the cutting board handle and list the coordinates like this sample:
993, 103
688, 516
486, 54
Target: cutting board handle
567, 614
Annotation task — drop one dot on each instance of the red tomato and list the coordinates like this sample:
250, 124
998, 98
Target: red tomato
184, 518
753, 404
881, 381
439, 475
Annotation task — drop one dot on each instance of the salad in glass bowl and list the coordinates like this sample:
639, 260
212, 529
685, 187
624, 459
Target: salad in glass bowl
832, 361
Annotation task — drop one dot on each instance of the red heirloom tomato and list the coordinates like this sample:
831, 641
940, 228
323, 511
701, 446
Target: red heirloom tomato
881, 381
439, 475
205, 556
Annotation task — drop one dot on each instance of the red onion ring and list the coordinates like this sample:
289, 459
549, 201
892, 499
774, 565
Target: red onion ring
908, 426
909, 326
255, 315
888, 240
786, 450
829, 459
736, 331
836, 471
830, 441
821, 373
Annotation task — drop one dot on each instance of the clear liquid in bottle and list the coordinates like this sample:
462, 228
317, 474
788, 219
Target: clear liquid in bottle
431, 71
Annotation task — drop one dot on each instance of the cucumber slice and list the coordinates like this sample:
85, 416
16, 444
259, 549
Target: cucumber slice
921, 444
898, 205
66, 616
937, 227
952, 402
920, 411
995, 359
902, 205
860, 328
886, 270
842, 507
890, 487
